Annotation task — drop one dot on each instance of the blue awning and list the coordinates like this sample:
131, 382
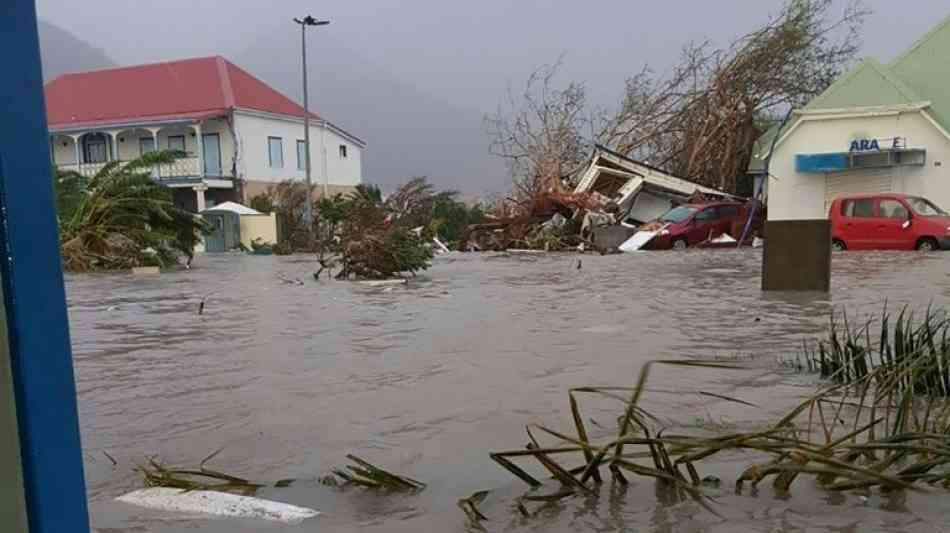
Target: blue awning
841, 161
821, 163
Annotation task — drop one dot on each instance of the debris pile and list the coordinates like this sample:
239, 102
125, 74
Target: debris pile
546, 221
614, 197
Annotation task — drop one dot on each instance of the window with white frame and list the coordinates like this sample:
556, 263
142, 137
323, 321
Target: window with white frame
275, 152
342, 151
301, 155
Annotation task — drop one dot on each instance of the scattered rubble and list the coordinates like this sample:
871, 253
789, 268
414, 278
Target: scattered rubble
615, 197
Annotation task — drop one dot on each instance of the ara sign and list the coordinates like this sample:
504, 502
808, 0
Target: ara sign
865, 145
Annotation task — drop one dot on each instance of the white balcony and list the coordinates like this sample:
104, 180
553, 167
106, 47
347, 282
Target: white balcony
185, 167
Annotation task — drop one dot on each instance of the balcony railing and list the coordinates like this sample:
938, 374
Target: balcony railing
185, 167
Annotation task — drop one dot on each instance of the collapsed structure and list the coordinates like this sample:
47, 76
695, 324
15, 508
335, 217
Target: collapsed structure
640, 192
614, 196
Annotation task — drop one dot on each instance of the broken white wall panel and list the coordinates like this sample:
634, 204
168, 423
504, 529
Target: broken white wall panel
605, 160
218, 504
638, 241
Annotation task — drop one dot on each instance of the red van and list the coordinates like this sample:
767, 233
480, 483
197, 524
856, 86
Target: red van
690, 224
888, 222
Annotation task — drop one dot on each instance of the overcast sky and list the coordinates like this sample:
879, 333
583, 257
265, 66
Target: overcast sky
467, 53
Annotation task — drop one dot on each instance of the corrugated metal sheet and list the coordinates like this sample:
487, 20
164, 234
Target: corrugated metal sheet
863, 182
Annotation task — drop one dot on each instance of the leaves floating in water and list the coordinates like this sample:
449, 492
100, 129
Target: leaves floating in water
157, 474
367, 475
470, 507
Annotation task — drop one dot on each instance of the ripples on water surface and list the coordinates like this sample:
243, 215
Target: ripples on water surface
426, 379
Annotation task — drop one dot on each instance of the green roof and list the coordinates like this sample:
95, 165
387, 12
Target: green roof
867, 85
926, 67
920, 74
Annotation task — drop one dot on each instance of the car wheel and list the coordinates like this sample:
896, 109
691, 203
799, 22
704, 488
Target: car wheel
679, 244
838, 246
926, 245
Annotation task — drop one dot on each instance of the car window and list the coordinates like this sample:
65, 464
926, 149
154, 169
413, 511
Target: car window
678, 214
728, 211
707, 214
863, 208
925, 208
888, 208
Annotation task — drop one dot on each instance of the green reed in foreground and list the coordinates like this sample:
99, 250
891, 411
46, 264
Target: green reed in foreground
912, 354
883, 424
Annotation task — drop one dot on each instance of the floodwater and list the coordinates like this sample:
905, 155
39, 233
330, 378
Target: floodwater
428, 378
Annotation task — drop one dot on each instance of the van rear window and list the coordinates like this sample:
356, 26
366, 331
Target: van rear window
863, 208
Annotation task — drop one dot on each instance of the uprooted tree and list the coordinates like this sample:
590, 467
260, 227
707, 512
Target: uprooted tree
540, 135
365, 234
377, 239
699, 121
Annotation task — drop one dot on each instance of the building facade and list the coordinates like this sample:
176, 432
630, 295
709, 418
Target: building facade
880, 128
239, 136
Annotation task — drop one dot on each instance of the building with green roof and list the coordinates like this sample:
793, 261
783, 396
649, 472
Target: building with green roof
879, 128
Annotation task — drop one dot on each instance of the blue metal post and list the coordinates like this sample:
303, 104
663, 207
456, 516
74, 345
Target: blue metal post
33, 290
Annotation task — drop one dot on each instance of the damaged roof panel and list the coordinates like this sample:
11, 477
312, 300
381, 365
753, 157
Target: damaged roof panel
607, 166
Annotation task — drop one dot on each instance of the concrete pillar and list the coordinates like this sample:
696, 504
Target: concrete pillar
797, 256
157, 169
200, 195
199, 142
76, 139
154, 132
114, 145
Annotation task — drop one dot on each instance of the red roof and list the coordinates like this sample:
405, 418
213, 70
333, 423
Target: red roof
187, 89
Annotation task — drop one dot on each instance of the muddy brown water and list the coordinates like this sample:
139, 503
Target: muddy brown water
428, 378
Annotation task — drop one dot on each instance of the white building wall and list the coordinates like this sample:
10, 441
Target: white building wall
253, 131
800, 196
64, 150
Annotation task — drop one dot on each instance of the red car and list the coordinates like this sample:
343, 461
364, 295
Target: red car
691, 224
888, 222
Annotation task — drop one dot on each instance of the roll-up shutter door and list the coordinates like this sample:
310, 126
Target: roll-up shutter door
860, 182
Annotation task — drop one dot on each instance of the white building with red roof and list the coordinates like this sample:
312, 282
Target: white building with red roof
239, 134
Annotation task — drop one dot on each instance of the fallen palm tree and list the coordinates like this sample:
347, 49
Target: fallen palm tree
121, 218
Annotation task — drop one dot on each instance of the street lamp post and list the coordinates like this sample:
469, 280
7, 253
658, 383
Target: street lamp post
304, 22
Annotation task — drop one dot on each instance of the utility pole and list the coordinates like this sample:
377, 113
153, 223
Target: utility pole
304, 22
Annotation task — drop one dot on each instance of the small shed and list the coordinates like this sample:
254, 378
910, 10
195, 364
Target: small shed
234, 224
